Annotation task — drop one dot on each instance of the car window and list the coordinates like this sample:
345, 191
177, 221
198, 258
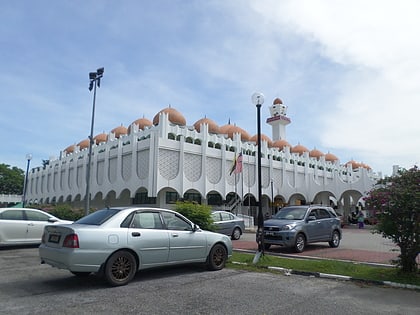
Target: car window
216, 216
12, 215
97, 217
36, 216
323, 214
173, 222
291, 213
226, 216
147, 220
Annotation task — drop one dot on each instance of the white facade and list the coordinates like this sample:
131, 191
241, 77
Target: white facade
166, 158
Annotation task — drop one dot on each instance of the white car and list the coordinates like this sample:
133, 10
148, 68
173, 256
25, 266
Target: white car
117, 242
23, 226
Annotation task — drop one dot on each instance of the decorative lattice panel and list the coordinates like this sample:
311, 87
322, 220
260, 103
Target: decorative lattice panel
100, 172
70, 178
143, 164
112, 171
62, 180
265, 177
168, 163
49, 183
192, 167
81, 177
249, 174
56, 183
213, 170
277, 178
126, 167
42, 184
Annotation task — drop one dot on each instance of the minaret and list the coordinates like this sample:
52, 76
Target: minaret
278, 119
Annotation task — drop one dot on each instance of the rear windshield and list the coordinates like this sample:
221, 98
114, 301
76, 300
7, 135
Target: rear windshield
97, 217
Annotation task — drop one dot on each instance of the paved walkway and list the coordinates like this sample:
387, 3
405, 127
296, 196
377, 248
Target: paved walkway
356, 245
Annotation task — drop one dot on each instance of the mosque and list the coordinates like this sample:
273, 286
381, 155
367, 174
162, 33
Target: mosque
155, 163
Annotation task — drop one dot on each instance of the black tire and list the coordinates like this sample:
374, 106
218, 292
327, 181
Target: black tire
120, 268
300, 243
80, 274
267, 246
236, 234
217, 258
335, 240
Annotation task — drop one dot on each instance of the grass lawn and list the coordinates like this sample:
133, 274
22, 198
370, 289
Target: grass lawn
354, 270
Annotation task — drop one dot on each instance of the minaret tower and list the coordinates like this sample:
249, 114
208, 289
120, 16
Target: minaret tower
278, 119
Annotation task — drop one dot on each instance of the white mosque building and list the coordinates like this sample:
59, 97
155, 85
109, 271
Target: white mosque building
155, 163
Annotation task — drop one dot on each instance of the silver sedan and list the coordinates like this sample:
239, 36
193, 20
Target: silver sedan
229, 224
22, 226
117, 242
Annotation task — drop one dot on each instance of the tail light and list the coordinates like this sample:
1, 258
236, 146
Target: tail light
43, 238
71, 241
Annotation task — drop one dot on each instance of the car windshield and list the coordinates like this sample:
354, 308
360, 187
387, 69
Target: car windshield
290, 213
97, 217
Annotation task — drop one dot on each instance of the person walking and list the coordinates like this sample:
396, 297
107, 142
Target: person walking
361, 220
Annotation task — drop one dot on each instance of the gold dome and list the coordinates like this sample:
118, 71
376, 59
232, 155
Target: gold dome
102, 137
70, 149
277, 101
83, 144
281, 144
300, 149
264, 137
232, 129
330, 157
315, 153
213, 127
354, 165
174, 117
142, 123
119, 131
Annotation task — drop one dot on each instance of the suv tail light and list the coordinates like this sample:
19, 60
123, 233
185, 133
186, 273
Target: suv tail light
71, 241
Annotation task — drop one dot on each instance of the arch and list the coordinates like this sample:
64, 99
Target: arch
297, 199
214, 198
171, 136
193, 195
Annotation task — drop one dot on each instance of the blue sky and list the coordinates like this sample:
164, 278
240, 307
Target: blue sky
348, 71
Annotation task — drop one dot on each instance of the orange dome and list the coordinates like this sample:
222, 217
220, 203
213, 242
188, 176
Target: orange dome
102, 137
254, 138
174, 117
354, 165
232, 129
315, 153
281, 144
277, 101
365, 166
119, 131
142, 123
83, 144
330, 157
300, 149
213, 127
70, 149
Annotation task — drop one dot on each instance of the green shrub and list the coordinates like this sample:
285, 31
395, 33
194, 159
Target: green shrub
64, 211
199, 214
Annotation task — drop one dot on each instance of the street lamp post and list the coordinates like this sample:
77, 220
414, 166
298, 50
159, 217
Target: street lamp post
25, 186
258, 100
272, 196
95, 80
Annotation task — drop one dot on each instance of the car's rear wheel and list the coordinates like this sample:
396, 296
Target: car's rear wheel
236, 234
300, 243
335, 240
120, 268
217, 258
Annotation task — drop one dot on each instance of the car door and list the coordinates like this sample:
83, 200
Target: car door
185, 244
147, 235
326, 224
13, 227
313, 226
36, 221
223, 222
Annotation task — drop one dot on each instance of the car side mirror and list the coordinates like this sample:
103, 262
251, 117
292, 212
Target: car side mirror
311, 218
51, 220
196, 228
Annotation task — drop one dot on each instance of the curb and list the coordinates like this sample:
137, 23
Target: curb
288, 272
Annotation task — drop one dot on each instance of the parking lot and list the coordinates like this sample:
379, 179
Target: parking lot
26, 287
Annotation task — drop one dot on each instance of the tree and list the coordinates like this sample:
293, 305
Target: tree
199, 214
11, 180
397, 199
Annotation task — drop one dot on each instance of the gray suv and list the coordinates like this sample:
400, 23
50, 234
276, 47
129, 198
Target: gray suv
296, 226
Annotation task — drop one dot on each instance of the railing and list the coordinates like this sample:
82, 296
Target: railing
10, 198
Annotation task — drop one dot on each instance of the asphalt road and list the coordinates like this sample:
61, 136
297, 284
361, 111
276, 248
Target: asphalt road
26, 287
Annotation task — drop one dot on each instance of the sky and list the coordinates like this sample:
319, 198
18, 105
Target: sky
348, 71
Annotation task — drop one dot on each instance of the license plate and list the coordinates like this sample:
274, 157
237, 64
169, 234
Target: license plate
54, 238
269, 233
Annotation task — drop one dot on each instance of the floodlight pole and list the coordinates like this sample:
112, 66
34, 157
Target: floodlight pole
258, 100
95, 80
25, 186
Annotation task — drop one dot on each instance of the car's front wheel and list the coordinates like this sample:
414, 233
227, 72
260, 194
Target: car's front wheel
335, 240
300, 243
120, 268
236, 234
217, 258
